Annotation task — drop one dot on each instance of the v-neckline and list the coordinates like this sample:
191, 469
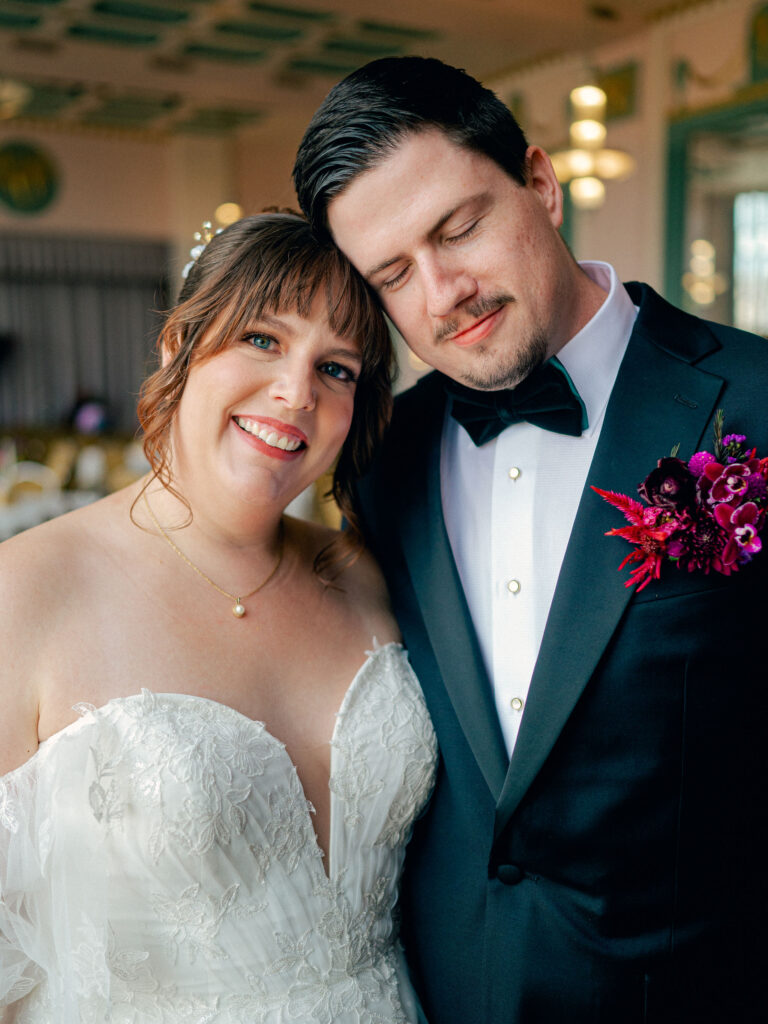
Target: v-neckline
326, 858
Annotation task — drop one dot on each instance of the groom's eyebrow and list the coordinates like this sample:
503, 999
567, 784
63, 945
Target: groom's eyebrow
437, 226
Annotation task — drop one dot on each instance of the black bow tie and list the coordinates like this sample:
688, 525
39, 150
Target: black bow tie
546, 398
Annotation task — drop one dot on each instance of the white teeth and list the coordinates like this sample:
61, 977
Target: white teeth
269, 435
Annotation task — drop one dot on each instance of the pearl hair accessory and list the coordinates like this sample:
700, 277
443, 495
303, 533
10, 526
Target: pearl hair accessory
202, 238
238, 609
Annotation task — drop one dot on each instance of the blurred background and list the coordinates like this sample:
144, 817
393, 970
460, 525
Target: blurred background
125, 124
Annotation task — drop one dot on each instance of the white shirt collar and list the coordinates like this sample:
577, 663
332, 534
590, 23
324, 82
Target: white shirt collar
593, 356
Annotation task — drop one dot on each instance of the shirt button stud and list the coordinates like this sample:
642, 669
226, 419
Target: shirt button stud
516, 704
513, 586
514, 473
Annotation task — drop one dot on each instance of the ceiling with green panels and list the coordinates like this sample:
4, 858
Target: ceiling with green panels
225, 66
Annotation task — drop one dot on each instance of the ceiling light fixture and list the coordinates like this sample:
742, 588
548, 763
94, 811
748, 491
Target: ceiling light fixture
587, 165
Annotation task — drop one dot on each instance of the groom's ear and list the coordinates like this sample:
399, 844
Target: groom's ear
543, 180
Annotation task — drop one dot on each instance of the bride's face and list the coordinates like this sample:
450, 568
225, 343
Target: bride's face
266, 416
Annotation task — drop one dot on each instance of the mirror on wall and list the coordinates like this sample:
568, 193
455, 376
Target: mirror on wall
717, 222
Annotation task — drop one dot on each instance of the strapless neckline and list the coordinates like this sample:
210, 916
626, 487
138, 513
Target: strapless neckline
85, 708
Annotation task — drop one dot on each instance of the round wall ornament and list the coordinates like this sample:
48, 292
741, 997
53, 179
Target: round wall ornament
29, 178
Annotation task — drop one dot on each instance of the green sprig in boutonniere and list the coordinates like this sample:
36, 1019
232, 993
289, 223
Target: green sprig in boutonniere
704, 514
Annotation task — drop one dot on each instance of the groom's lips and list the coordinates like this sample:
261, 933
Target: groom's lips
479, 330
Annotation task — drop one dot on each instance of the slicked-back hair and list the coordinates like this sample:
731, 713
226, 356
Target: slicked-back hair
363, 119
271, 263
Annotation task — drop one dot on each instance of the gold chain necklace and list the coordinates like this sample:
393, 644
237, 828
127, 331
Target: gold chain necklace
238, 609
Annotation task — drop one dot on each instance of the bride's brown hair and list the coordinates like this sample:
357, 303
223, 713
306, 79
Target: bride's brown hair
272, 263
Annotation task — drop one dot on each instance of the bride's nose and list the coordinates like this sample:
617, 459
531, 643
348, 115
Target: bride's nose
295, 385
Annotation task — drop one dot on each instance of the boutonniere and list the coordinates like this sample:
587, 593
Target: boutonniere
705, 514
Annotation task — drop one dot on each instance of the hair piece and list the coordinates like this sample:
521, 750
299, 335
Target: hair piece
366, 115
272, 263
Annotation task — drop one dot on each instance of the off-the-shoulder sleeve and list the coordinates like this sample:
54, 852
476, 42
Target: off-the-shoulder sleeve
22, 856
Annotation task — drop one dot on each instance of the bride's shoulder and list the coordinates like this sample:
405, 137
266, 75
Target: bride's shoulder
44, 570
51, 549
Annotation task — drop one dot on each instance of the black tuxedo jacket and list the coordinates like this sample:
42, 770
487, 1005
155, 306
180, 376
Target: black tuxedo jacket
615, 870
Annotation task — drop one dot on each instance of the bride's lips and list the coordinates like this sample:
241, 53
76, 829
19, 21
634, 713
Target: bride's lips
479, 330
272, 437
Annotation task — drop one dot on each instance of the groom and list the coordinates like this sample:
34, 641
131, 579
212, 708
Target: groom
595, 850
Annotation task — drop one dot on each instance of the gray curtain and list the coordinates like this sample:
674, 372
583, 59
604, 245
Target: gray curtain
79, 317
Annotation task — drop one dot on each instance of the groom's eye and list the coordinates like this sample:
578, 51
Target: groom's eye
392, 282
466, 233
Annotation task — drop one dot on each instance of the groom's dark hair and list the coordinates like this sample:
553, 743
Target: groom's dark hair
365, 116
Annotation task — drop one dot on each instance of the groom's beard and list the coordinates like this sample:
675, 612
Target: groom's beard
507, 370
510, 372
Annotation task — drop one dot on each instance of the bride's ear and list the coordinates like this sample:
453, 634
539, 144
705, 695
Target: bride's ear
168, 349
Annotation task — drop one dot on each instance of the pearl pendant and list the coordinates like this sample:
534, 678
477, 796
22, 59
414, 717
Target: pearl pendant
239, 610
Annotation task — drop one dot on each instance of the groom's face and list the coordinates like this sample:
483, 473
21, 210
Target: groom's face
465, 261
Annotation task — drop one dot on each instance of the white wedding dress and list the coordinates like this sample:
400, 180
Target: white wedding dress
158, 863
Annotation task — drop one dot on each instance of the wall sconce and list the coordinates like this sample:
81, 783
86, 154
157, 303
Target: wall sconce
587, 165
702, 282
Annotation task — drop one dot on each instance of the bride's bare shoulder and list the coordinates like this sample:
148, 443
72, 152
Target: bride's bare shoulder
32, 566
48, 577
44, 571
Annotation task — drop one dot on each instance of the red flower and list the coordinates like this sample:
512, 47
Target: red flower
649, 530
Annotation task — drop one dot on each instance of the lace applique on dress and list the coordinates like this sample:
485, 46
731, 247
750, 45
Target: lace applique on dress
158, 864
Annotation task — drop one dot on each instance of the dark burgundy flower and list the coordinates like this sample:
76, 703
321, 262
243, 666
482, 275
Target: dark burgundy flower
699, 543
671, 485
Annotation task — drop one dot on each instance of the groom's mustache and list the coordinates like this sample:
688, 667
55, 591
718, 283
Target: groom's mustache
474, 310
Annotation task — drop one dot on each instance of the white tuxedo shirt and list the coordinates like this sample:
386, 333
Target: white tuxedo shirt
509, 506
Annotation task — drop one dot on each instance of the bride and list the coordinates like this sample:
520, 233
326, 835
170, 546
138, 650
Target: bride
213, 745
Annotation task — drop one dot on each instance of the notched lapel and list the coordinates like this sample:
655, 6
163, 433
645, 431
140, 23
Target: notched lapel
443, 605
659, 400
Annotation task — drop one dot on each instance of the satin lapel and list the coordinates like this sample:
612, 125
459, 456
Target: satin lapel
657, 401
444, 609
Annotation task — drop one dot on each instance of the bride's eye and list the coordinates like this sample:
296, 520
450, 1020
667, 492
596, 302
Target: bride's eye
260, 341
338, 372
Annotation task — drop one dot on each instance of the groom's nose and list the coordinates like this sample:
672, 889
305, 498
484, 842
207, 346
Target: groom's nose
446, 285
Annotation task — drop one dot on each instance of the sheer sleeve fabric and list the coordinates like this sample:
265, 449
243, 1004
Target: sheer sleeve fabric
52, 881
